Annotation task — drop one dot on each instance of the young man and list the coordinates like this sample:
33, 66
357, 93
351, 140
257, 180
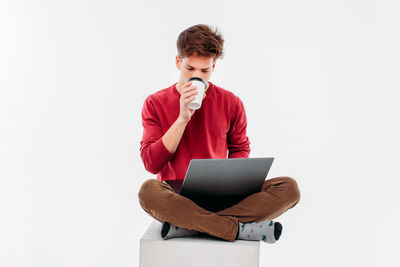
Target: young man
174, 134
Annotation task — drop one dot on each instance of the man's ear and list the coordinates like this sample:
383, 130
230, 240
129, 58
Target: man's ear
178, 62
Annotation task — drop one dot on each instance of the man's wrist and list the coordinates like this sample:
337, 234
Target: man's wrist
181, 121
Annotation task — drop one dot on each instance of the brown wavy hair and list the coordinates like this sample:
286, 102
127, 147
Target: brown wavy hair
200, 40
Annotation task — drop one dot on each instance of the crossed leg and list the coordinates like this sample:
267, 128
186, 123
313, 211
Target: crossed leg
161, 202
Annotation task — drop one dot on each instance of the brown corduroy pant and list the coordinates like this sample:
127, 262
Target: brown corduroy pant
160, 201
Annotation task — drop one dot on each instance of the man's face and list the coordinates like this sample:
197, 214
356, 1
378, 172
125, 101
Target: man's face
194, 66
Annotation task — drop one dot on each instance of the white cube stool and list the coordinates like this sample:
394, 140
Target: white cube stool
196, 251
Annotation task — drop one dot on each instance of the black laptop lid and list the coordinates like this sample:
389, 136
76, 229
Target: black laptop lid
218, 183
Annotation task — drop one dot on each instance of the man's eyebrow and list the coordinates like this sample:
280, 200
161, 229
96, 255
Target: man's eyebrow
193, 68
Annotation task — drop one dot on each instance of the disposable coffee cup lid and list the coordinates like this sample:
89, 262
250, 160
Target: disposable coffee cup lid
196, 78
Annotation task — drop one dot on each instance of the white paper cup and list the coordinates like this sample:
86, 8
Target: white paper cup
201, 86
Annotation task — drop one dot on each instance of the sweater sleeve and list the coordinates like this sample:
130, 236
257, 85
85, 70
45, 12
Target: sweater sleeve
238, 141
153, 152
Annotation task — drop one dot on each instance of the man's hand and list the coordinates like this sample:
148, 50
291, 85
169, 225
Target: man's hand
187, 96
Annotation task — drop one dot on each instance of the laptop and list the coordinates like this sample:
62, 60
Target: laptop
216, 184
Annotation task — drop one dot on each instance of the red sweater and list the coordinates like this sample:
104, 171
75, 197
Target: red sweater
217, 127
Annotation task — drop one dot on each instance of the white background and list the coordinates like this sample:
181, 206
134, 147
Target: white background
319, 81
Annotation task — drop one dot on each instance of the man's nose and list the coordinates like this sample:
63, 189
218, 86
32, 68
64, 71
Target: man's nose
198, 74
